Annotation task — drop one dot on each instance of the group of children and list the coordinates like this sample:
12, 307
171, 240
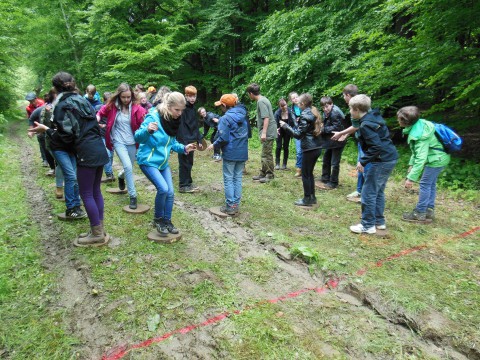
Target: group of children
81, 134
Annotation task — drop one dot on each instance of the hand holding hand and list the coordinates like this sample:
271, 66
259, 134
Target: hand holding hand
38, 128
190, 147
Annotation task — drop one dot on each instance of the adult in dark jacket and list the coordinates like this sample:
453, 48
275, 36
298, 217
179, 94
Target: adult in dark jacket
77, 133
283, 140
233, 140
333, 119
308, 131
381, 154
188, 133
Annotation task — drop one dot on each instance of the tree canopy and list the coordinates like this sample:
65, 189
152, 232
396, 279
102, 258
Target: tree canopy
423, 52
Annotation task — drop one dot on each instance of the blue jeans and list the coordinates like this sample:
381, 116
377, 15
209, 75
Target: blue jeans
232, 181
428, 188
58, 173
162, 179
373, 193
361, 175
68, 163
108, 166
298, 151
126, 153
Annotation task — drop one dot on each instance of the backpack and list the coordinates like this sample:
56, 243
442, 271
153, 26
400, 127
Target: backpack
448, 138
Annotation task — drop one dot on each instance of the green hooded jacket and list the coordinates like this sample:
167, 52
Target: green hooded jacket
425, 147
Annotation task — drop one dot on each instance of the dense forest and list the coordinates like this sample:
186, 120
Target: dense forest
423, 52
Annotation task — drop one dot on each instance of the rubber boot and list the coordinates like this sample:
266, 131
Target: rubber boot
95, 237
59, 192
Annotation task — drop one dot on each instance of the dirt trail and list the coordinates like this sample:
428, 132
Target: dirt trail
84, 318
74, 286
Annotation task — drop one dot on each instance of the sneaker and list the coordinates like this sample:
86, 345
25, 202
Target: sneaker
415, 216
185, 189
109, 178
45, 163
381, 227
305, 201
229, 210
298, 172
430, 214
50, 172
354, 194
133, 203
277, 167
313, 199
284, 167
360, 229
170, 227
121, 183
161, 227
75, 213
194, 187
258, 177
217, 158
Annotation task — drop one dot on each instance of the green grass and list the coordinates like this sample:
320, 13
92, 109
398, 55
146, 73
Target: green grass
31, 326
213, 269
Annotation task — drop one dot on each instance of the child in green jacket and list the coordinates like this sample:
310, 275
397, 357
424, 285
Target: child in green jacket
428, 156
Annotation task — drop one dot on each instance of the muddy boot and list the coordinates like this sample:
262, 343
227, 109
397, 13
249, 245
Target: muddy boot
430, 214
298, 172
415, 216
96, 237
59, 192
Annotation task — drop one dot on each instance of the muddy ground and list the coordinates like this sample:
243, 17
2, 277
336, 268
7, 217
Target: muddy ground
87, 323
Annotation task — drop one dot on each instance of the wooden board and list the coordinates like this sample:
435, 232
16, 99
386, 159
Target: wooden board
141, 209
170, 238
216, 211
116, 191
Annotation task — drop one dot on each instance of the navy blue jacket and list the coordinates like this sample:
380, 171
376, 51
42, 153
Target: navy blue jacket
232, 135
374, 139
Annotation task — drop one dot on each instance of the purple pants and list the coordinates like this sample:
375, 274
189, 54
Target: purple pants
89, 186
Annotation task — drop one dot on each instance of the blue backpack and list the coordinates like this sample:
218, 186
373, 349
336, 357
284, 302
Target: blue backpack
450, 140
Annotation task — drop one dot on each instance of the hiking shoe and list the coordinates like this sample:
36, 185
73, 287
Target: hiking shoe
266, 179
59, 192
298, 172
360, 229
194, 187
229, 210
354, 194
121, 183
170, 227
186, 189
75, 213
381, 227
161, 227
414, 216
306, 201
313, 199
258, 177
430, 214
133, 203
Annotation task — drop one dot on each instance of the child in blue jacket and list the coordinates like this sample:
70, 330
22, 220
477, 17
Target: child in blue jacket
157, 136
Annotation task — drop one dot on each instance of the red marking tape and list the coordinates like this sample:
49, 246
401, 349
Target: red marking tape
120, 351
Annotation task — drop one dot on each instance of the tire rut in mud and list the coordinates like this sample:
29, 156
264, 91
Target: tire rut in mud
74, 288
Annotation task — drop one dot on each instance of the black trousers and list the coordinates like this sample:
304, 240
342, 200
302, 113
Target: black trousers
185, 165
283, 143
331, 165
309, 160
